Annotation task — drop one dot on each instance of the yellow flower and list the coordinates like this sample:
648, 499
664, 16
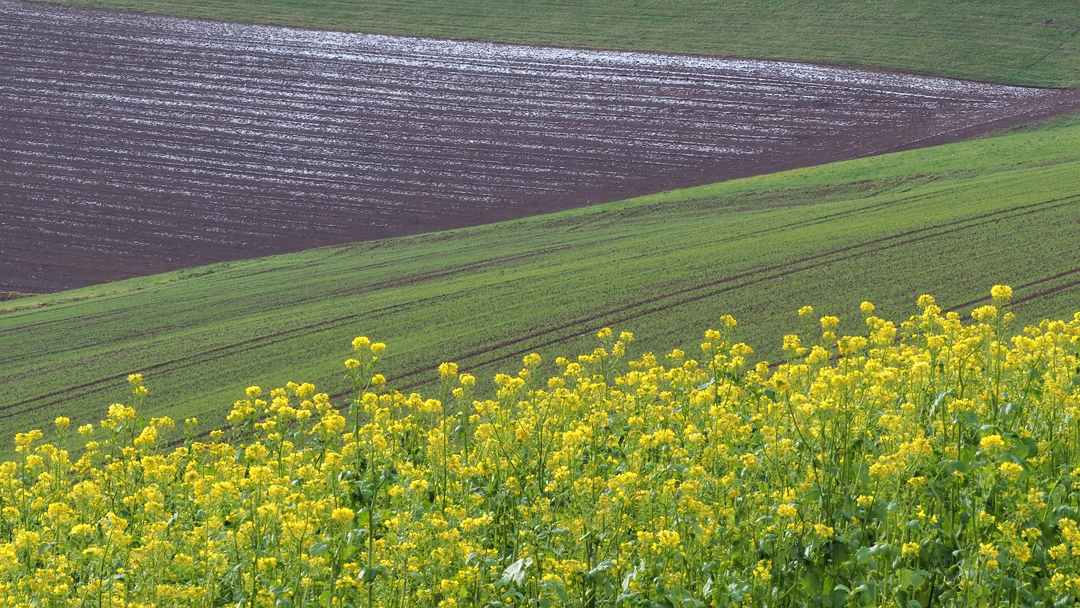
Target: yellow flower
81, 530
360, 342
1011, 470
668, 539
866, 307
352, 364
761, 571
256, 451
992, 443
253, 391
146, 438
984, 313
910, 549
806, 311
1001, 292
62, 422
342, 515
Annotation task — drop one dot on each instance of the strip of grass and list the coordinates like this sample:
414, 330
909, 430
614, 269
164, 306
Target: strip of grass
951, 221
1016, 41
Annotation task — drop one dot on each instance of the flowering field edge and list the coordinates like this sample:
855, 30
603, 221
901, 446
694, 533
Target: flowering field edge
934, 462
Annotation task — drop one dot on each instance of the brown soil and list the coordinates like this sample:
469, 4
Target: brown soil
135, 144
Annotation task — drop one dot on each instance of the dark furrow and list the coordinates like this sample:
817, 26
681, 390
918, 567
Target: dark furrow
369, 137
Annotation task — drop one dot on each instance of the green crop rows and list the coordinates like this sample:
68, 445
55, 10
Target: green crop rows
950, 220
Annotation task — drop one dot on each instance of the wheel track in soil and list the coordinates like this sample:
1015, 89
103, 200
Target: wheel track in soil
558, 334
708, 290
1031, 297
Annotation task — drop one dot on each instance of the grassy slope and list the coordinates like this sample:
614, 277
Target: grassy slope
951, 220
994, 40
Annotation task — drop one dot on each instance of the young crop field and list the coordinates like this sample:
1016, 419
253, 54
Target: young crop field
953, 217
133, 145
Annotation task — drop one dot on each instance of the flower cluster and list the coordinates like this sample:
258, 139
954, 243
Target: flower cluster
930, 463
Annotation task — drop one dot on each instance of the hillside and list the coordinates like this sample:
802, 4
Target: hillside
948, 220
126, 156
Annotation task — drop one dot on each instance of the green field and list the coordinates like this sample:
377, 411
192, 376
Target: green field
951, 220
1033, 42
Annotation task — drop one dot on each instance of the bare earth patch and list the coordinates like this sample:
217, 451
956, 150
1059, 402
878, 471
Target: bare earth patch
134, 144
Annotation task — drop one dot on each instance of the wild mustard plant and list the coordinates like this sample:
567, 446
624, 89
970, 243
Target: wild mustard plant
934, 462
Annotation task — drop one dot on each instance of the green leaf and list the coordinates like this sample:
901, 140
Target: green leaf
515, 572
603, 566
881, 550
356, 537
318, 549
912, 579
1032, 444
960, 466
868, 588
1011, 410
863, 556
363, 518
839, 596
739, 591
940, 398
560, 590
811, 582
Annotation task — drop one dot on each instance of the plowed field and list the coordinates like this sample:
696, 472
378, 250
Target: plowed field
134, 144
